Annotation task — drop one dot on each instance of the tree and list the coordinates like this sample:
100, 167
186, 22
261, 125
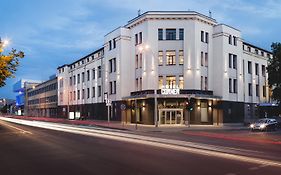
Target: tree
8, 63
274, 72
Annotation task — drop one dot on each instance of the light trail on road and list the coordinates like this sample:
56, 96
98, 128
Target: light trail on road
190, 147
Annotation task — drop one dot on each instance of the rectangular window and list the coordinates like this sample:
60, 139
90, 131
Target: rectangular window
257, 90
137, 84
70, 81
206, 59
230, 60
114, 87
136, 39
99, 91
230, 85
140, 39
229, 39
202, 36
160, 58
249, 49
160, 82
88, 92
160, 34
70, 96
94, 92
88, 75
249, 67
257, 69
140, 64
83, 77
234, 85
78, 95
99, 71
137, 61
78, 79
181, 57
264, 91
202, 83
234, 62
181, 34
171, 34
94, 73
206, 83
250, 89
181, 82
263, 70
114, 43
61, 83
110, 45
262, 53
171, 57
114, 64
257, 51
74, 80
110, 66
110, 87
171, 81
202, 59
140, 83
74, 95
207, 37
83, 93
235, 40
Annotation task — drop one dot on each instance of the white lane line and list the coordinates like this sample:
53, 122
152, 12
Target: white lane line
19, 129
169, 144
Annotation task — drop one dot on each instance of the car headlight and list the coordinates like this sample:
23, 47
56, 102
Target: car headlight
262, 126
252, 125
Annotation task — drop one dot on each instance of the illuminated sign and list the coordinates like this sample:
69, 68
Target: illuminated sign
170, 90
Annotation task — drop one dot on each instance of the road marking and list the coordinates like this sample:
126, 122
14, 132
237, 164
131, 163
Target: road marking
19, 129
150, 141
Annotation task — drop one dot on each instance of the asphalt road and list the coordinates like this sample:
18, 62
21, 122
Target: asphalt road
26, 150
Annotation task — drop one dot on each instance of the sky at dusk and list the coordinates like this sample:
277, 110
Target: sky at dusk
57, 32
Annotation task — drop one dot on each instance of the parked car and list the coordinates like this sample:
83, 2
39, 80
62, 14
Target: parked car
265, 124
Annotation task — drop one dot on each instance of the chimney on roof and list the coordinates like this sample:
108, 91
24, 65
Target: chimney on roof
210, 14
139, 12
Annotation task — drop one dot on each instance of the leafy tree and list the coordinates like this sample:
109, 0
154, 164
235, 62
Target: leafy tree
274, 71
8, 63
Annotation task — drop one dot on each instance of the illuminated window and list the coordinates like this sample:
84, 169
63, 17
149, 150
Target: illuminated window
181, 82
160, 82
171, 57
181, 57
160, 58
171, 81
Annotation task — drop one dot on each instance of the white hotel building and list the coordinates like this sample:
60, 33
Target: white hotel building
213, 76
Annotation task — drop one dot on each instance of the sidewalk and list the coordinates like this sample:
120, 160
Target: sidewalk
133, 127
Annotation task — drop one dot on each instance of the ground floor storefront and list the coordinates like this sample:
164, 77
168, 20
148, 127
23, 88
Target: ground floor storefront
187, 108
153, 108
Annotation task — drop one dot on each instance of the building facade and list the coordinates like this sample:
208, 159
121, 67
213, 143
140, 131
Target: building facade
41, 99
168, 68
20, 88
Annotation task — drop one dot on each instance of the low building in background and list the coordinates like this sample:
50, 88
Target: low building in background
42, 99
20, 89
7, 106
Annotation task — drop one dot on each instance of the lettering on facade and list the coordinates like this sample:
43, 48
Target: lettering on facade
170, 90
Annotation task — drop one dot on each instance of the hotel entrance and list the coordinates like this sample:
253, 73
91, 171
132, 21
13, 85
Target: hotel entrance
170, 116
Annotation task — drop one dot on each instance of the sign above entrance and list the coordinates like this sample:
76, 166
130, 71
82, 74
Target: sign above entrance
170, 90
